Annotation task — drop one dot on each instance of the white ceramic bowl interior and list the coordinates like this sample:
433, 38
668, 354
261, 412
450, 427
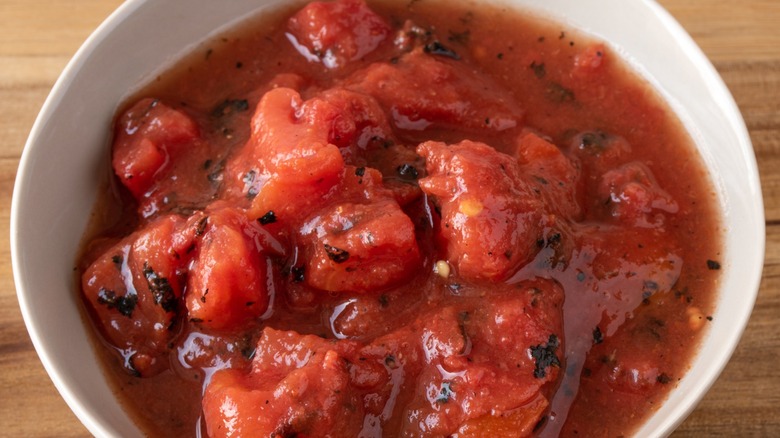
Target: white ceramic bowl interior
67, 151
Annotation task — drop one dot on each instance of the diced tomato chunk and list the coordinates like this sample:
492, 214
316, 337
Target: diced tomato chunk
148, 135
364, 243
516, 423
298, 149
634, 197
491, 217
421, 92
358, 122
200, 352
298, 386
376, 251
229, 279
288, 165
557, 176
288, 133
337, 32
492, 363
135, 290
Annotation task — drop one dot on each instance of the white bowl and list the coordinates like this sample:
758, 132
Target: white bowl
67, 151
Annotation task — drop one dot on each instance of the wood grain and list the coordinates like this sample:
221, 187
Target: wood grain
741, 39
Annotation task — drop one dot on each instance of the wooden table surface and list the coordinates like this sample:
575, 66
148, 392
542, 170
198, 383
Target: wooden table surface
742, 38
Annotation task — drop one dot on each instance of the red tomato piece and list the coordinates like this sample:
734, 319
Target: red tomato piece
492, 362
229, 279
289, 164
523, 327
634, 197
421, 91
557, 176
357, 121
297, 150
491, 216
135, 290
198, 353
516, 423
377, 250
298, 386
362, 243
148, 136
338, 32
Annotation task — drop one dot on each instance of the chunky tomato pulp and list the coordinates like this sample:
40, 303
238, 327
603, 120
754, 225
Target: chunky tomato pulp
400, 220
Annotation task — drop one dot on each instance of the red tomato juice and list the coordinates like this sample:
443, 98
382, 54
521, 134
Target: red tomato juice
415, 219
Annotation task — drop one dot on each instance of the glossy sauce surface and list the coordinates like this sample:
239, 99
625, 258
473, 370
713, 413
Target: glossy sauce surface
444, 220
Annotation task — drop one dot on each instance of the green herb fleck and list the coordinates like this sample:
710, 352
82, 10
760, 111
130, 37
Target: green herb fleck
123, 304
545, 357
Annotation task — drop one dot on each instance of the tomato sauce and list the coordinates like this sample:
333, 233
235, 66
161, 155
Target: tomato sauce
410, 219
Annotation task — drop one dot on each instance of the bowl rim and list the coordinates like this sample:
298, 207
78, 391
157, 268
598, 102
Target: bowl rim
668, 24
55, 96
667, 417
